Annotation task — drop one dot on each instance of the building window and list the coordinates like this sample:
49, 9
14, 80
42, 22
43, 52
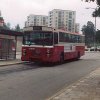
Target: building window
70, 14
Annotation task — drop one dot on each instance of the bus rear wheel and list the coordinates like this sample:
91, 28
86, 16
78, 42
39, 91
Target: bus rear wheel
61, 58
78, 55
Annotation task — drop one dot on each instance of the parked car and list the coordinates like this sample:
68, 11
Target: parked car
87, 49
95, 49
98, 48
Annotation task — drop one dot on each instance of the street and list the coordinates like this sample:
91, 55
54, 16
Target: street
39, 82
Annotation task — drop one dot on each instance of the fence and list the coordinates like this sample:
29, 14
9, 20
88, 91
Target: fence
7, 49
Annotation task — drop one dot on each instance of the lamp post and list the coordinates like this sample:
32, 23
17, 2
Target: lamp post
95, 33
94, 26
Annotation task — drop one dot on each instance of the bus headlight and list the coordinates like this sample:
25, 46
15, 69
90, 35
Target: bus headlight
48, 51
24, 52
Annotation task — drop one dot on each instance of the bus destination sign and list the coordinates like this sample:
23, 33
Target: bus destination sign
37, 28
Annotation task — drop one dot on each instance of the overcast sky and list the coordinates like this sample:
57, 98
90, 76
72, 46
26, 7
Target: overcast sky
16, 11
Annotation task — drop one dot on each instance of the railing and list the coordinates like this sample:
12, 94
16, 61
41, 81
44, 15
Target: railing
4, 55
6, 51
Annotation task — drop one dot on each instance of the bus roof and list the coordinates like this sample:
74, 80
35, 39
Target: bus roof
45, 28
38, 28
60, 30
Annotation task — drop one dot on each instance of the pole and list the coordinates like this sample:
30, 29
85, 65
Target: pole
15, 46
53, 37
95, 34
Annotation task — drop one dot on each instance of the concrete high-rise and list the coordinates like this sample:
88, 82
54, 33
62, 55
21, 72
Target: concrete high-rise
77, 27
62, 19
36, 20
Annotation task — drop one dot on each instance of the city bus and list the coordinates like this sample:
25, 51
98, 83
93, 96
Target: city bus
49, 45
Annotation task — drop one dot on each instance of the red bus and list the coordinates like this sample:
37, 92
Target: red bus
45, 44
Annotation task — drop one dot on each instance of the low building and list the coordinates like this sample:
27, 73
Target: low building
10, 43
36, 20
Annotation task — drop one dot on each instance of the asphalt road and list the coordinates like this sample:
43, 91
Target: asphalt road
39, 82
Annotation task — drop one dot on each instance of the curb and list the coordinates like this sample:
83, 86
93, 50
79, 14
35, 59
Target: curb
10, 64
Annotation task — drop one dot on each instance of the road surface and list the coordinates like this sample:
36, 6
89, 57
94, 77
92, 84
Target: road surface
39, 82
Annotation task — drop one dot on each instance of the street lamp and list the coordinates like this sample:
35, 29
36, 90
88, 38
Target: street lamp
94, 25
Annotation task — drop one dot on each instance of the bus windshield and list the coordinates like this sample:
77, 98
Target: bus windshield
38, 38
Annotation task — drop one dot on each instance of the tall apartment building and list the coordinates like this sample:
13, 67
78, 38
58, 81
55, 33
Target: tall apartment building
62, 19
36, 20
77, 27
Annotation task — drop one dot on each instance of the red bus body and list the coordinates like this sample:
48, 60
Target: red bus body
57, 51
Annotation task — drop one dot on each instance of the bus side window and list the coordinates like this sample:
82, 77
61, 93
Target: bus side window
55, 38
66, 37
83, 39
71, 38
79, 38
61, 37
75, 38
0, 43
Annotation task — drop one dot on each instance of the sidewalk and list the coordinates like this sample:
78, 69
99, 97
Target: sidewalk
88, 88
11, 62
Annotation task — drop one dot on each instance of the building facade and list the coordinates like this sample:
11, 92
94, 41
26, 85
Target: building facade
10, 44
62, 19
36, 20
77, 28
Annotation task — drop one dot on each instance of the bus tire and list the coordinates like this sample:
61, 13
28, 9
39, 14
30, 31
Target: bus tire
78, 55
61, 57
